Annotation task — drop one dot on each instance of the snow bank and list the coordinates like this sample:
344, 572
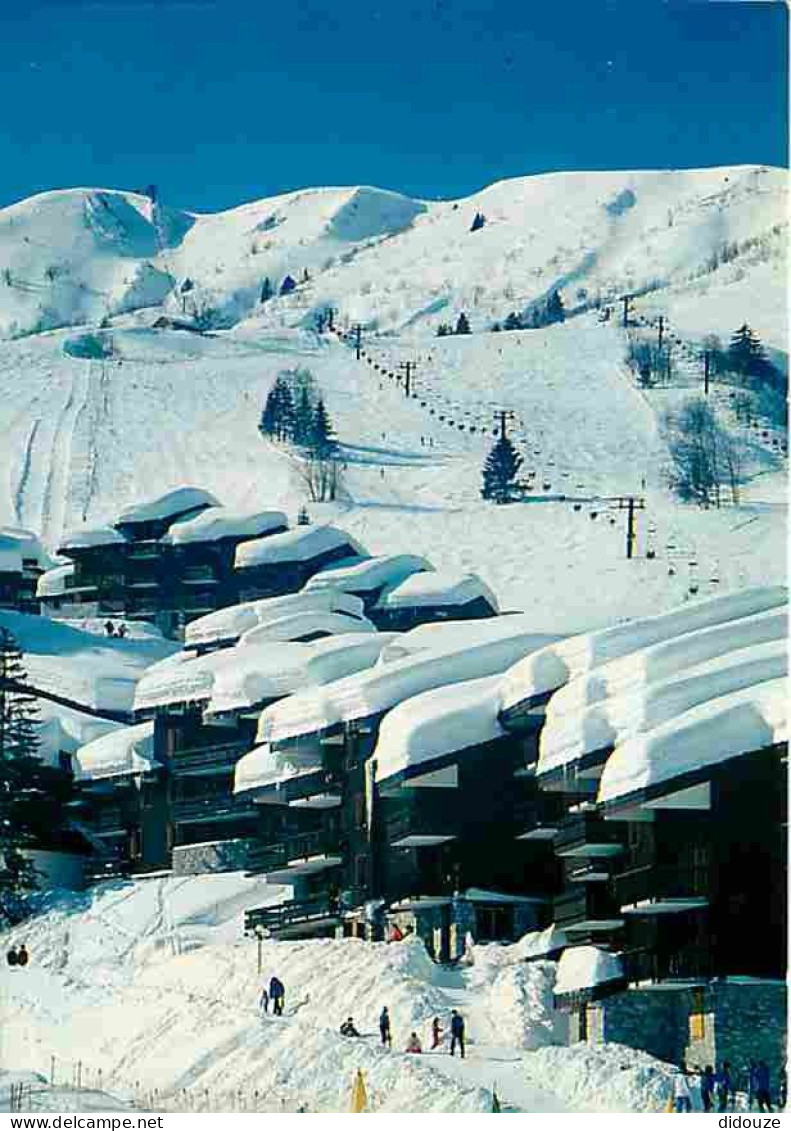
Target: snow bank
392, 681
607, 1077
229, 624
63, 730
437, 588
585, 968
127, 750
551, 667
299, 545
86, 536
369, 574
95, 672
168, 505
719, 729
264, 767
539, 944
217, 523
568, 737
437, 722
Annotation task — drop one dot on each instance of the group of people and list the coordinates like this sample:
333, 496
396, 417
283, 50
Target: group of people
413, 1045
718, 1089
17, 955
111, 630
276, 994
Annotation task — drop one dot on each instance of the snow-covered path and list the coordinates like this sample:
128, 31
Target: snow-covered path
152, 985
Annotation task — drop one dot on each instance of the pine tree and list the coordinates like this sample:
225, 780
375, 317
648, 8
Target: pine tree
462, 324
266, 290
555, 310
269, 421
323, 438
24, 809
500, 470
287, 286
285, 410
303, 418
478, 222
746, 354
513, 322
443, 330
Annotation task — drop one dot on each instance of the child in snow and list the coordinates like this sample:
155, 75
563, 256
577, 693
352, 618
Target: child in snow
682, 1097
384, 1028
414, 1044
456, 1033
264, 1003
436, 1033
348, 1028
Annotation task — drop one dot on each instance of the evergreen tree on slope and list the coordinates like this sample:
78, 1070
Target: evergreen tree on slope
500, 471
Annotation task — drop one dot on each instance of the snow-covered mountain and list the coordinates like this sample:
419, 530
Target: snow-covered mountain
118, 405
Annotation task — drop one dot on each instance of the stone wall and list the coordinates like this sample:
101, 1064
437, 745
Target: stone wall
214, 856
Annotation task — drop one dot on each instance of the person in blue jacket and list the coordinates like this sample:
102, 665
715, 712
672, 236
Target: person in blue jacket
456, 1032
277, 995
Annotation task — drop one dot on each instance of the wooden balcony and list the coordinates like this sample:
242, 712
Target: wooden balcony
587, 909
219, 807
661, 889
687, 966
418, 827
196, 760
588, 835
299, 855
306, 917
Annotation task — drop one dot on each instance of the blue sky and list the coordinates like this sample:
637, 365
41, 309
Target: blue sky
221, 102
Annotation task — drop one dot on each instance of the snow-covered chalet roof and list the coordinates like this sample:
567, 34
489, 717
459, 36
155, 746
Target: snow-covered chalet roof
84, 537
230, 623
437, 588
264, 767
258, 673
168, 505
437, 722
370, 574
217, 523
53, 582
296, 626
565, 738
706, 735
298, 545
539, 944
555, 665
127, 750
389, 682
17, 546
585, 968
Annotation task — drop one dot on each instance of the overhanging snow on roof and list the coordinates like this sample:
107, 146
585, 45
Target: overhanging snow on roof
18, 547
550, 668
84, 537
706, 735
370, 574
437, 722
128, 750
583, 968
216, 523
264, 768
567, 738
229, 624
437, 589
53, 582
300, 626
391, 681
168, 505
299, 545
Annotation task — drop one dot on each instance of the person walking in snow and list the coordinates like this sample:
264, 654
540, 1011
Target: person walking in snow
22, 956
707, 1088
384, 1028
122, 630
762, 1089
413, 1045
456, 1033
264, 1002
724, 1085
109, 628
277, 994
682, 1097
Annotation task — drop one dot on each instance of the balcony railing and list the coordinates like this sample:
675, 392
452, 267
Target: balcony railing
416, 828
195, 758
285, 916
588, 835
689, 964
210, 808
292, 851
587, 907
143, 551
662, 883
